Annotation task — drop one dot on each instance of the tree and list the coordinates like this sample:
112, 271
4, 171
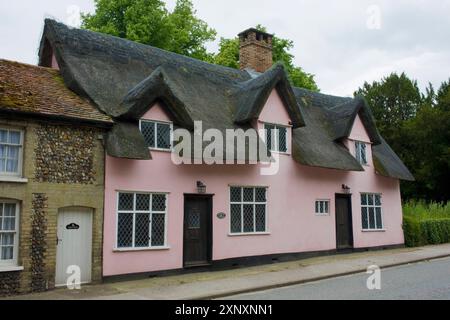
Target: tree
417, 127
228, 55
394, 99
149, 22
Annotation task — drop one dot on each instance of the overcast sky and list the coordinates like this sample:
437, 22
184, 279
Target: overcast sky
342, 42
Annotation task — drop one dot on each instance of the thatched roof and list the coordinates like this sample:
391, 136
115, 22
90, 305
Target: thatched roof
124, 79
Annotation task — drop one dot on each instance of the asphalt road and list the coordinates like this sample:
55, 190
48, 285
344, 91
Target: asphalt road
424, 280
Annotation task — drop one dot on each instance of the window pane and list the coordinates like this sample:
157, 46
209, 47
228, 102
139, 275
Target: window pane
9, 224
7, 239
371, 218
3, 136
363, 199
321, 208
9, 210
193, 219
358, 151
163, 135
159, 202
260, 195
260, 217
363, 153
12, 161
7, 253
365, 221
148, 131
125, 230
235, 218
282, 139
326, 207
14, 137
317, 207
126, 201
248, 195
379, 218
158, 229
270, 136
142, 202
141, 230
248, 218
370, 199
377, 200
235, 194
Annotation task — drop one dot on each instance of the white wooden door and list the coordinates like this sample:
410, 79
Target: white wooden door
74, 244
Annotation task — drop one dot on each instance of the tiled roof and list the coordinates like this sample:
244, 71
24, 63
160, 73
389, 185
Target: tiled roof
36, 90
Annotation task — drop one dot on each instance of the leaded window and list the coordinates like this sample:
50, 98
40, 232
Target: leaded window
322, 207
371, 213
361, 152
141, 220
248, 206
157, 135
8, 232
276, 137
10, 152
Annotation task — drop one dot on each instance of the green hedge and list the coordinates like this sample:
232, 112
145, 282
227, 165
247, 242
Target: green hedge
426, 224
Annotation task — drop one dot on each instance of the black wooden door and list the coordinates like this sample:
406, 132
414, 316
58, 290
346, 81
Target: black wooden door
197, 230
344, 230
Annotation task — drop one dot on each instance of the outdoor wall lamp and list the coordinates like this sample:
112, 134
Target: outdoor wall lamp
201, 187
346, 188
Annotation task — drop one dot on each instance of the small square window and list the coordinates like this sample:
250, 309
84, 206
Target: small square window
157, 135
322, 207
276, 138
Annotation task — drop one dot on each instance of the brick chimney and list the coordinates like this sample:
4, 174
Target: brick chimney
255, 50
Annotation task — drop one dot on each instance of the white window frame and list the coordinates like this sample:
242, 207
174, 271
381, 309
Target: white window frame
359, 151
275, 138
20, 156
14, 261
134, 212
317, 206
254, 203
374, 206
155, 122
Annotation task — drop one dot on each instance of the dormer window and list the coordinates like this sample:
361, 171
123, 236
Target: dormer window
157, 134
361, 152
276, 137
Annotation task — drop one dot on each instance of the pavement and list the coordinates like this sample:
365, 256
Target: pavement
217, 284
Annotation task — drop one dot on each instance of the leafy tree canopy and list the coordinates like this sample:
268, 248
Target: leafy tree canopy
149, 22
417, 126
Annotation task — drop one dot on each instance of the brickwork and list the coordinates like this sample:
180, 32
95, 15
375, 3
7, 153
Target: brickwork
255, 50
41, 199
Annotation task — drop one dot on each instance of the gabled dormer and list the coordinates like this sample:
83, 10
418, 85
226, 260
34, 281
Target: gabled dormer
359, 143
276, 124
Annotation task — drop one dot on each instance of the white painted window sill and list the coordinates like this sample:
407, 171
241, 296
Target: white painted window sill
248, 234
10, 268
377, 230
140, 249
160, 150
13, 179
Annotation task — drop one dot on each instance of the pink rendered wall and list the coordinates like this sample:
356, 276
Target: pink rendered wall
54, 63
292, 223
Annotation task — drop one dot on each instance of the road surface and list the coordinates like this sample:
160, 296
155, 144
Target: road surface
424, 280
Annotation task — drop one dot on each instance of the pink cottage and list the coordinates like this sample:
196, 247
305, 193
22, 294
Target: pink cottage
333, 183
